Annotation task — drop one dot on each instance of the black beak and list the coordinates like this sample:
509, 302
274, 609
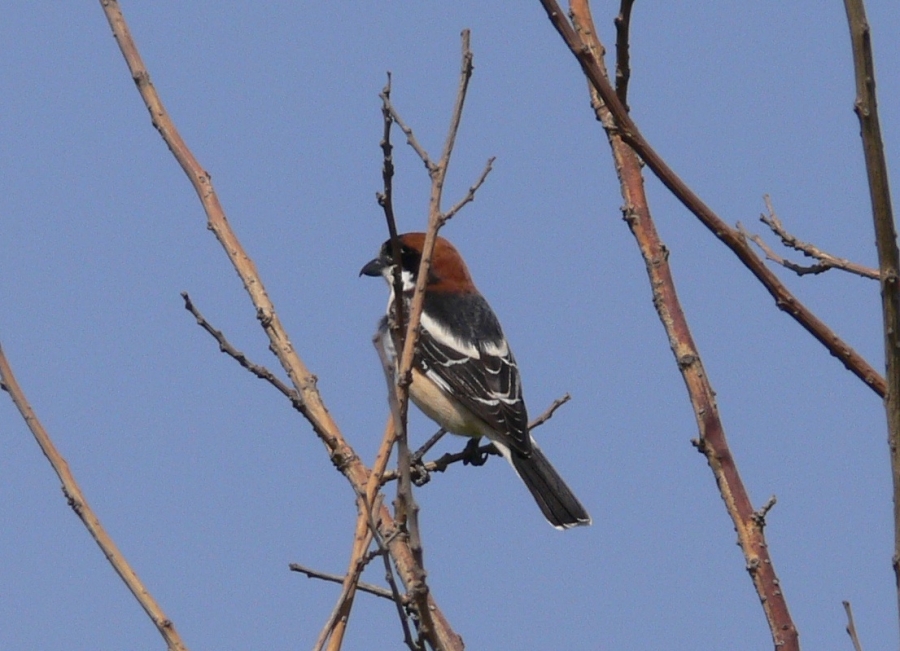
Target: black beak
373, 268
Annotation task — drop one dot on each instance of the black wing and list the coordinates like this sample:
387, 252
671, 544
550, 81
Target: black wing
462, 349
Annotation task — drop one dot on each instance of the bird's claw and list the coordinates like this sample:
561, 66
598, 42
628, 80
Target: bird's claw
473, 454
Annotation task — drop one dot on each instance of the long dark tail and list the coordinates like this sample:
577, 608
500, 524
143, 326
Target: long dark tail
556, 500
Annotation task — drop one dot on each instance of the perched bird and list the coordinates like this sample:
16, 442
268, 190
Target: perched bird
464, 375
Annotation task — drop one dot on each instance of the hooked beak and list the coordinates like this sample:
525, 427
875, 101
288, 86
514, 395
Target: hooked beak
373, 267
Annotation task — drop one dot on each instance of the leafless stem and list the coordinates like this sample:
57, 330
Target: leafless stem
470, 195
336, 578
410, 137
712, 441
799, 269
851, 627
334, 629
623, 59
225, 346
430, 443
729, 236
825, 260
79, 504
386, 201
549, 411
866, 106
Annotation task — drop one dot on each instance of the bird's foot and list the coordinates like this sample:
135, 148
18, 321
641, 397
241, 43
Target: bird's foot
473, 454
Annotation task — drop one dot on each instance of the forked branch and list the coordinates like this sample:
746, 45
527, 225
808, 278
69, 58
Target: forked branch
824, 260
629, 132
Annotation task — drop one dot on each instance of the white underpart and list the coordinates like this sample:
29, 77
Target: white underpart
438, 380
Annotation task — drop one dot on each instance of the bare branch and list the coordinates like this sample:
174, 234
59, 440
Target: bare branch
336, 578
418, 589
313, 408
336, 625
851, 627
549, 411
826, 260
623, 60
800, 270
401, 603
465, 74
712, 442
78, 502
760, 516
225, 346
729, 236
302, 379
470, 195
410, 137
386, 201
866, 106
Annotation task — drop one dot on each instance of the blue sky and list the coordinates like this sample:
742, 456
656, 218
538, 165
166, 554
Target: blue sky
211, 484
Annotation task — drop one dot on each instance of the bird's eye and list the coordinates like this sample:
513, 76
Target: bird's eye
409, 258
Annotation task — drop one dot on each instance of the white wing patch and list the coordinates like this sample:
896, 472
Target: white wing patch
444, 337
497, 349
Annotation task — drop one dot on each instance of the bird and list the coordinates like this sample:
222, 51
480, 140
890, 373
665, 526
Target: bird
464, 375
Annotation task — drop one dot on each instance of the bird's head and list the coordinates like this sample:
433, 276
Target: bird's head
448, 271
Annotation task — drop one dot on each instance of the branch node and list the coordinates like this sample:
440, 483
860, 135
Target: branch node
759, 516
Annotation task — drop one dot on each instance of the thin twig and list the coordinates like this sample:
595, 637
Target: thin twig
225, 346
825, 260
430, 443
334, 628
336, 578
549, 411
623, 59
866, 106
712, 441
396, 432
78, 502
411, 138
851, 627
386, 201
470, 195
799, 269
729, 236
